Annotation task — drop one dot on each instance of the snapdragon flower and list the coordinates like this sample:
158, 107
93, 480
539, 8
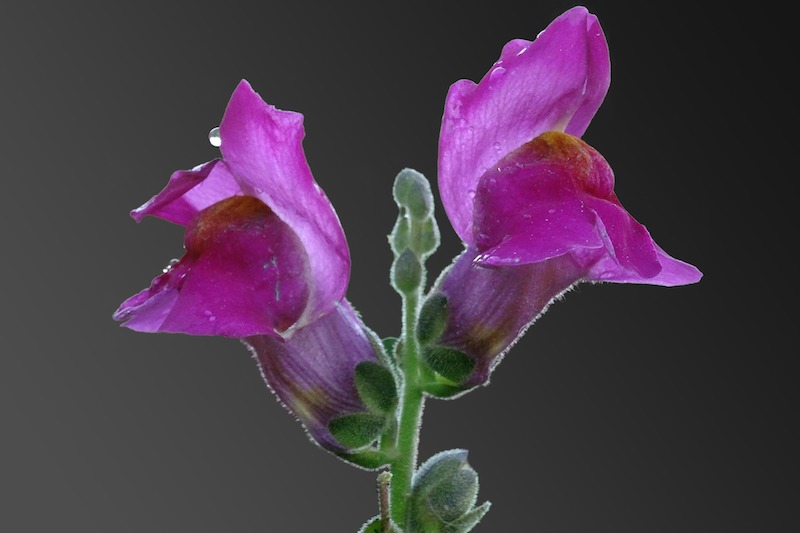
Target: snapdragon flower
266, 261
533, 203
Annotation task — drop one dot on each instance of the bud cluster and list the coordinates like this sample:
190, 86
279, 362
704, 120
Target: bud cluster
415, 235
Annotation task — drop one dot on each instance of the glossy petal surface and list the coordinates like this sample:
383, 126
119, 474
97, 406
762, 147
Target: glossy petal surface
189, 192
262, 147
554, 196
554, 83
244, 273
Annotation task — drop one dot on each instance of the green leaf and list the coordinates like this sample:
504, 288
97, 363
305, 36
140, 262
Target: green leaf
376, 387
357, 429
454, 365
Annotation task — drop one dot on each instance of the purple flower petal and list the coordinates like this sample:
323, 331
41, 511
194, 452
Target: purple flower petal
628, 242
489, 308
554, 83
673, 272
245, 272
271, 255
262, 147
189, 192
554, 196
530, 208
312, 373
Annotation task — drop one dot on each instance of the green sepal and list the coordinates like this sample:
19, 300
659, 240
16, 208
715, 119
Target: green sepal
389, 346
432, 318
442, 391
376, 387
453, 365
369, 459
468, 521
374, 526
357, 430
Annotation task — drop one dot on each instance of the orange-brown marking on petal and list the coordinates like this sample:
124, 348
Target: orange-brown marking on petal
236, 212
565, 150
581, 162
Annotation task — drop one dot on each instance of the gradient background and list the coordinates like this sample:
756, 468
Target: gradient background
625, 409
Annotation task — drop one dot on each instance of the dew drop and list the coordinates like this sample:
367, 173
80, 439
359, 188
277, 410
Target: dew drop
551, 210
522, 51
214, 138
172, 263
497, 73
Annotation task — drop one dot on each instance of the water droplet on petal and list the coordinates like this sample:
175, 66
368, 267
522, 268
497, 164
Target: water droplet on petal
472, 193
497, 73
522, 51
172, 263
497, 147
214, 138
551, 210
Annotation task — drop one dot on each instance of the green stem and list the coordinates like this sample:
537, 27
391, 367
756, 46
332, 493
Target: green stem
410, 413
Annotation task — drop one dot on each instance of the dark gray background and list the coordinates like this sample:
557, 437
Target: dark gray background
625, 409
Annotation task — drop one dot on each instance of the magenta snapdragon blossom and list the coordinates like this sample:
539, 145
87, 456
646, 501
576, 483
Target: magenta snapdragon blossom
266, 261
533, 203
265, 252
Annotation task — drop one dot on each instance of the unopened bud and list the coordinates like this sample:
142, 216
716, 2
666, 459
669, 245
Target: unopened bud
443, 492
407, 272
412, 191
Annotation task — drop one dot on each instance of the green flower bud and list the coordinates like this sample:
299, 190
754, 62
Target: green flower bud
406, 272
413, 192
443, 495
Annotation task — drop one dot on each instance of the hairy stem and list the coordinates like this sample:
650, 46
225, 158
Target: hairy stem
412, 400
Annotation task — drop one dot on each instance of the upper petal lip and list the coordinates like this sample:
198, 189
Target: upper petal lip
554, 83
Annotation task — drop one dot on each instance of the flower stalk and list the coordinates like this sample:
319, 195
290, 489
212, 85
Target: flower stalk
414, 238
